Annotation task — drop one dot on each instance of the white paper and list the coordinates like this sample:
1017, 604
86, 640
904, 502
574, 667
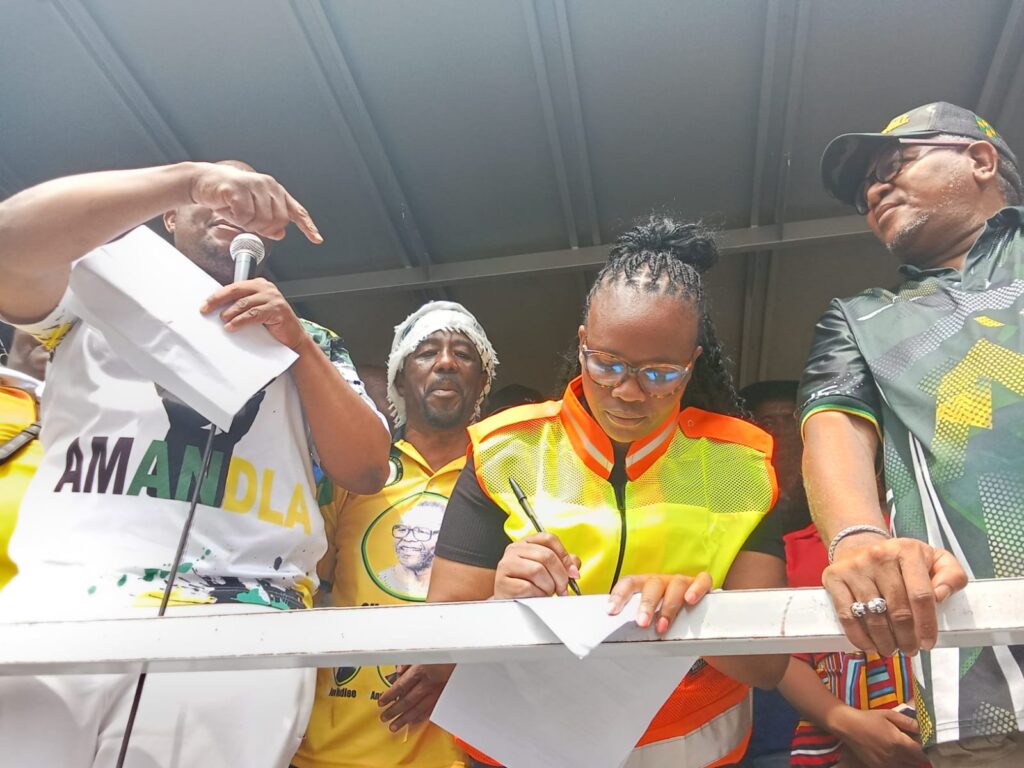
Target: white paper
144, 297
574, 713
581, 623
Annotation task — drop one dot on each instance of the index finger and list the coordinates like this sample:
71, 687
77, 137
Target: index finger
623, 590
302, 219
571, 563
401, 687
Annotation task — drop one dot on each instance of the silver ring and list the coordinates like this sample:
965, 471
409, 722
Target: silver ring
859, 610
877, 605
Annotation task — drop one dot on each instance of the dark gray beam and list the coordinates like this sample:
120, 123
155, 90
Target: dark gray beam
764, 108
579, 130
999, 70
735, 241
796, 77
83, 26
547, 104
355, 127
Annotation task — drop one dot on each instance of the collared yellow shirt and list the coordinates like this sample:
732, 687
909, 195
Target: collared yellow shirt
380, 552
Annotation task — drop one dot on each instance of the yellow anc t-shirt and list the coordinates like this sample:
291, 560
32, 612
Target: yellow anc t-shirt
380, 552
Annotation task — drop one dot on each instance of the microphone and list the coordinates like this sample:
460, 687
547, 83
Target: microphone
246, 251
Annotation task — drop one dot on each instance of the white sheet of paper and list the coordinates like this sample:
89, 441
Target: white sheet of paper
144, 296
574, 713
581, 623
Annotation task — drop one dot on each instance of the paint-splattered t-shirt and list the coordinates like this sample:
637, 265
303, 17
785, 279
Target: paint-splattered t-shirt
101, 520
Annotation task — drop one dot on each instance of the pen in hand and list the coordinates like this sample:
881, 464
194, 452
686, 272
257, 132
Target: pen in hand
528, 511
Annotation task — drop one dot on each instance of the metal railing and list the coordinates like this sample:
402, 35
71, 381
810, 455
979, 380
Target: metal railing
987, 612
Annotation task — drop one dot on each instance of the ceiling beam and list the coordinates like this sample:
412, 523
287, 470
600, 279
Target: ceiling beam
764, 108
579, 129
754, 281
792, 111
83, 26
1014, 94
999, 71
547, 105
356, 128
734, 241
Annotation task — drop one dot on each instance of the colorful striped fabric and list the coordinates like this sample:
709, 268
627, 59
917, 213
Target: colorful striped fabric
864, 681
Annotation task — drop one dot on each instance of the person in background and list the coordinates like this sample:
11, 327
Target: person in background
375, 380
382, 545
772, 406
511, 395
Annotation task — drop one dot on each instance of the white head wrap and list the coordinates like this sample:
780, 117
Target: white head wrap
432, 317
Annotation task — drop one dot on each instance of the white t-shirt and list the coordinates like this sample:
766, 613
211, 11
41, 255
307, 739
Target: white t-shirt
101, 520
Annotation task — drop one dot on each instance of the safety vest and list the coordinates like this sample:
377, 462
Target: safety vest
697, 487
18, 413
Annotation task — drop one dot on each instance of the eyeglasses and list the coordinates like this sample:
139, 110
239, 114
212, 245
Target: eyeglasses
607, 370
419, 534
889, 162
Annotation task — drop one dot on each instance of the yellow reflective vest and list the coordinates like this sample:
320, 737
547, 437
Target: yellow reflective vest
697, 487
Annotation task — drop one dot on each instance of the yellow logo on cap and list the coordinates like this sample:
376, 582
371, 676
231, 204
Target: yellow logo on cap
896, 122
988, 129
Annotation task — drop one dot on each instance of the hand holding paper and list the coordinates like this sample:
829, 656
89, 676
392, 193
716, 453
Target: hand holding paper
257, 302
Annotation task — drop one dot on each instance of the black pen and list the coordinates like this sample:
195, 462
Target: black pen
536, 523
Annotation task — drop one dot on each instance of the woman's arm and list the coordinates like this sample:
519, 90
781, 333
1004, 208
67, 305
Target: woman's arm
754, 570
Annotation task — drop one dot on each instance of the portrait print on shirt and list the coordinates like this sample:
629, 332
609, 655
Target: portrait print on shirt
398, 546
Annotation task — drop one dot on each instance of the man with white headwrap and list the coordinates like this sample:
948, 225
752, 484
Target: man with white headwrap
381, 547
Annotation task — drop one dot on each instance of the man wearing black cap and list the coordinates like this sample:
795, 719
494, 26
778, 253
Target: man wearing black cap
933, 374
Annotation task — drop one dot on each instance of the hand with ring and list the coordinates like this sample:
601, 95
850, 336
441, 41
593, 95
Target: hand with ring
884, 591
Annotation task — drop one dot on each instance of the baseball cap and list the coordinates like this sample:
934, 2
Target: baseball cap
845, 161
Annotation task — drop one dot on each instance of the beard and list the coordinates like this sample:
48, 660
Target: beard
902, 243
448, 418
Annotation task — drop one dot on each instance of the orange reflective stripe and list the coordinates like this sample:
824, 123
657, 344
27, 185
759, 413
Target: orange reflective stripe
510, 416
476, 754
643, 453
589, 441
727, 429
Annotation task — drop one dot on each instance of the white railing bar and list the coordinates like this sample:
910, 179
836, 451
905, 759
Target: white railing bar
756, 621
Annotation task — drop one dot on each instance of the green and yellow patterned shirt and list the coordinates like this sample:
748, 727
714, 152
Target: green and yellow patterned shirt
938, 367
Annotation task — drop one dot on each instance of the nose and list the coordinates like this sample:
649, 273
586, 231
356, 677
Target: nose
629, 390
875, 191
446, 360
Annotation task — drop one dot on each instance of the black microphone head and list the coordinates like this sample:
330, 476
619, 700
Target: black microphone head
249, 245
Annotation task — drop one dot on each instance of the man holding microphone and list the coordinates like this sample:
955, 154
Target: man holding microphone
100, 521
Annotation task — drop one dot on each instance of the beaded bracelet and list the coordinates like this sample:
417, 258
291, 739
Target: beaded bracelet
850, 531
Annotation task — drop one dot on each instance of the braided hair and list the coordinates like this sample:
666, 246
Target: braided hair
665, 257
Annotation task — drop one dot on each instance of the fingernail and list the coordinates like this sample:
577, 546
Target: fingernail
643, 618
574, 572
941, 593
662, 625
611, 606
